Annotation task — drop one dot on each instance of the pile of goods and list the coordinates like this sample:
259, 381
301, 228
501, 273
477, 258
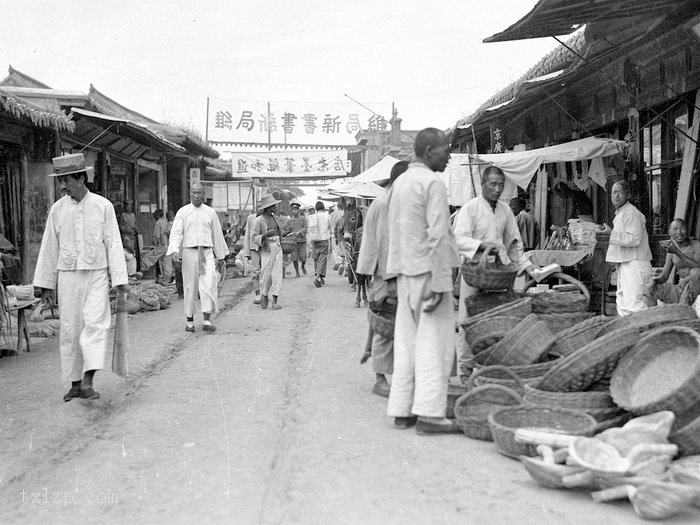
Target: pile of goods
145, 297
604, 405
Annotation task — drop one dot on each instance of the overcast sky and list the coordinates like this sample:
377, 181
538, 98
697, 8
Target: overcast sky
163, 58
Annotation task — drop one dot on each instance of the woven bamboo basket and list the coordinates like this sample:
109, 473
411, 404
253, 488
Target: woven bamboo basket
288, 245
520, 309
453, 393
686, 433
489, 276
617, 421
576, 400
523, 345
560, 302
500, 375
559, 322
577, 336
652, 318
383, 325
472, 409
524, 372
661, 372
605, 414
505, 421
487, 332
483, 302
589, 364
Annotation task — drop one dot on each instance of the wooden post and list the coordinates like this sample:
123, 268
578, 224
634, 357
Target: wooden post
23, 184
686, 179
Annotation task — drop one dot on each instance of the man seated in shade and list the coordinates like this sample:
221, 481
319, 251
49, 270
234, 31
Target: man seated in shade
683, 256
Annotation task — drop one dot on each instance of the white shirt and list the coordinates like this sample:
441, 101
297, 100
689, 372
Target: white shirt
80, 236
196, 226
628, 239
319, 226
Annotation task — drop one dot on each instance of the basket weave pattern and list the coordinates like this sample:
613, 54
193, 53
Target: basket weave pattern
489, 276
505, 421
523, 345
589, 364
661, 372
560, 322
582, 333
577, 400
520, 309
488, 331
559, 303
652, 318
500, 375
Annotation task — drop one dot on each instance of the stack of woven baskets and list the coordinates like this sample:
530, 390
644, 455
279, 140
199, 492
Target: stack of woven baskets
593, 375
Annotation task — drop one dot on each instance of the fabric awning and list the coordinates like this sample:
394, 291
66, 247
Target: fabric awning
359, 190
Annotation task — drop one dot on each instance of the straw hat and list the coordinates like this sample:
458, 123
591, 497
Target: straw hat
70, 164
267, 201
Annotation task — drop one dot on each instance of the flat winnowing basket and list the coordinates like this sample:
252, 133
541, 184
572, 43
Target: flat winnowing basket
652, 318
505, 421
489, 276
576, 400
661, 372
488, 331
523, 345
520, 309
472, 409
560, 322
589, 364
582, 333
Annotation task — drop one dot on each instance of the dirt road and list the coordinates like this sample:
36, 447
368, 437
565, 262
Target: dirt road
270, 420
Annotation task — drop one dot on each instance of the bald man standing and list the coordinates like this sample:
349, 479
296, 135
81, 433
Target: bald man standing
197, 230
629, 250
422, 253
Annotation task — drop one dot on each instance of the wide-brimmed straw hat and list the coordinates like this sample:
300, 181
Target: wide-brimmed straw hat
267, 201
69, 165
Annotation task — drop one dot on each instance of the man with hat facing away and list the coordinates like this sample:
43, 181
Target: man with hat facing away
197, 230
295, 229
267, 235
81, 250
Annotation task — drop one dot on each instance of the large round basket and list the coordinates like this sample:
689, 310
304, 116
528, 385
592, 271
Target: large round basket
488, 331
383, 325
520, 308
576, 400
453, 393
661, 372
523, 345
505, 421
472, 409
582, 333
489, 276
560, 302
483, 302
652, 318
589, 364
288, 245
559, 322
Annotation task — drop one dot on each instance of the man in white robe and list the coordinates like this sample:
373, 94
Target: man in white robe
629, 249
422, 254
80, 251
197, 230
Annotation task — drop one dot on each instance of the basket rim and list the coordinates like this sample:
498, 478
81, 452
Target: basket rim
588, 399
574, 413
690, 384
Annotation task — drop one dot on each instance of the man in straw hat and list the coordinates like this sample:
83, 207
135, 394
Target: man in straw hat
197, 230
295, 229
81, 250
267, 235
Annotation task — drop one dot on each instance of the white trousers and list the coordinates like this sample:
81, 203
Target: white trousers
271, 267
193, 282
85, 321
632, 278
423, 351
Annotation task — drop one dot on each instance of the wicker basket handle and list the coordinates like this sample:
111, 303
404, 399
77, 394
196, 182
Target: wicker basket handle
483, 261
471, 382
464, 398
564, 277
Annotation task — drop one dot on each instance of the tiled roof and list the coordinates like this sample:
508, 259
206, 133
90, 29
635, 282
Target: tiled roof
18, 79
21, 108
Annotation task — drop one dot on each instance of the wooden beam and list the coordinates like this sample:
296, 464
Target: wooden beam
685, 182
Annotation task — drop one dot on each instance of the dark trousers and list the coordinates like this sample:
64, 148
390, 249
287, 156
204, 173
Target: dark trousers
320, 249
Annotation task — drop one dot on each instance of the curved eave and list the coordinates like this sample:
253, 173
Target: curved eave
22, 109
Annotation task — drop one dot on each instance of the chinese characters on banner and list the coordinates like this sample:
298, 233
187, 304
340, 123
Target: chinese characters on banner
497, 139
291, 164
290, 123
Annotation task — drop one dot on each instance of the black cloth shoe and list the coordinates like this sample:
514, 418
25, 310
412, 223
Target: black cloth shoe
209, 328
405, 422
73, 392
426, 428
189, 328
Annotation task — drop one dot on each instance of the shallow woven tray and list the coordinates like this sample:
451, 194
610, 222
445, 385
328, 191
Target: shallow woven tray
520, 308
579, 335
489, 331
589, 364
652, 318
523, 345
560, 322
577, 400
661, 372
505, 421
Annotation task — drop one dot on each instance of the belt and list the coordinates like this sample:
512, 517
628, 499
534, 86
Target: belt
198, 247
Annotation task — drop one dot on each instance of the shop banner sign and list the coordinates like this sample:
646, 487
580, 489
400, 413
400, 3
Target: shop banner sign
289, 123
291, 164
